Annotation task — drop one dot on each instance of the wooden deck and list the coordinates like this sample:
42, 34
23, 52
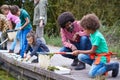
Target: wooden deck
28, 71
25, 71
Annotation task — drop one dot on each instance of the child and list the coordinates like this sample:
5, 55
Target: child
25, 26
98, 55
73, 37
34, 45
12, 19
4, 26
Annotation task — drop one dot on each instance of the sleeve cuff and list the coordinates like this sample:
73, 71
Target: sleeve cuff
42, 18
31, 55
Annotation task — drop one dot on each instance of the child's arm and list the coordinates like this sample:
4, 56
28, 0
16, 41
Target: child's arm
92, 50
26, 23
35, 49
26, 51
10, 25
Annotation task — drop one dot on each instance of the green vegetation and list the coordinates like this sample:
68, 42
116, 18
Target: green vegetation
112, 36
5, 76
53, 40
52, 68
108, 14
99, 78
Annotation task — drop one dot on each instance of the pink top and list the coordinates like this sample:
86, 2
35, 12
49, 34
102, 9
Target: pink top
13, 18
67, 37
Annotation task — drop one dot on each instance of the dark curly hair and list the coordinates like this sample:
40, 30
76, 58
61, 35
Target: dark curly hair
90, 21
64, 18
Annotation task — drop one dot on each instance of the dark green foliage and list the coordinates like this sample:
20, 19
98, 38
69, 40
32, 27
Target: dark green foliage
106, 10
29, 6
52, 68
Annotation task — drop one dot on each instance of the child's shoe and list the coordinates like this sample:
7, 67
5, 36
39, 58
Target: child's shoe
114, 67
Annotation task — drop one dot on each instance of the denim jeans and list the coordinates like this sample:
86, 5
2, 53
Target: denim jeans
17, 37
95, 70
84, 44
23, 41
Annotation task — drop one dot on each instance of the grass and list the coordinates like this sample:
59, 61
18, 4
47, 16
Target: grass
112, 36
52, 40
5, 76
115, 49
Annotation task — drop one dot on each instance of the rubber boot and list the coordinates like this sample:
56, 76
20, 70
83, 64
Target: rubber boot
75, 62
114, 67
80, 66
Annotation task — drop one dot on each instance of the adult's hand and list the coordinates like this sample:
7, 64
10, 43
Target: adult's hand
41, 24
75, 37
73, 48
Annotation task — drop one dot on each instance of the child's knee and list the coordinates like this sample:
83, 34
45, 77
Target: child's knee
91, 74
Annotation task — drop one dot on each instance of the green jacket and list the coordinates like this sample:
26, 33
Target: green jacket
40, 12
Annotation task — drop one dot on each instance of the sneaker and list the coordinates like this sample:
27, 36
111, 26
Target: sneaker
11, 51
116, 70
75, 62
35, 61
80, 66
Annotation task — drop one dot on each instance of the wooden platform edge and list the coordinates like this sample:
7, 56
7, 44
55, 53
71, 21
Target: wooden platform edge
27, 71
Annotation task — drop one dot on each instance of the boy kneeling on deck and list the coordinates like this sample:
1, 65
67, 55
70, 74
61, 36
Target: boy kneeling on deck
34, 45
98, 56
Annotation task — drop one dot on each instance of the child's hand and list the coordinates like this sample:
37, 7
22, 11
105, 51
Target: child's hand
20, 28
28, 56
76, 52
25, 55
25, 59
